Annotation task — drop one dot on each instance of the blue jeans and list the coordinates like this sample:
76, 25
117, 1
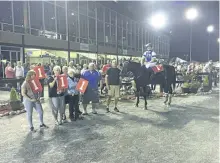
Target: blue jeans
29, 108
57, 105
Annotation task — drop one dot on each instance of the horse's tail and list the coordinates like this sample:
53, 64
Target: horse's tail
174, 79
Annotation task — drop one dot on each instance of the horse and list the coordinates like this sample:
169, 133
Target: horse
143, 77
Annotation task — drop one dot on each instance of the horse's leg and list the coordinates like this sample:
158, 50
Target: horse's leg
145, 98
145, 102
161, 89
137, 98
166, 93
170, 96
166, 98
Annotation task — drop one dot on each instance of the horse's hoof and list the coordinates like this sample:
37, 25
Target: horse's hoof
145, 108
136, 106
165, 103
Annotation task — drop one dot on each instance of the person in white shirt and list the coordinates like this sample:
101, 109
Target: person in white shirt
19, 73
85, 67
71, 66
19, 70
208, 67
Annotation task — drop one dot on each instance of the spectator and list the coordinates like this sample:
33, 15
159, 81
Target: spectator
102, 82
32, 66
73, 96
91, 93
47, 69
71, 65
14, 65
56, 98
106, 67
19, 70
208, 67
42, 84
26, 68
85, 67
51, 68
32, 100
9, 71
65, 70
66, 99
113, 82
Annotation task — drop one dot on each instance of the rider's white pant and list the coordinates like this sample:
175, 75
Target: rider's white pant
150, 64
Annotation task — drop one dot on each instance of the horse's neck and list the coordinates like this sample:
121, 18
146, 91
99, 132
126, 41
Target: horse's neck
136, 72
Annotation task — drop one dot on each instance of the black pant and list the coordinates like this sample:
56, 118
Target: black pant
73, 106
153, 87
42, 84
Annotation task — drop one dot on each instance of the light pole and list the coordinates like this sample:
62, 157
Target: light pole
191, 14
210, 29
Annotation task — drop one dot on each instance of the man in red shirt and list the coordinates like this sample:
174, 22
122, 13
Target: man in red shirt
106, 67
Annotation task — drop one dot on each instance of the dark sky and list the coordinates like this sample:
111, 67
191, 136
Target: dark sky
208, 14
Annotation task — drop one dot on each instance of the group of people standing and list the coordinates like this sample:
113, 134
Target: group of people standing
59, 98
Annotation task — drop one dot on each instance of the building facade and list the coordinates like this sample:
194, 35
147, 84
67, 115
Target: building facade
84, 26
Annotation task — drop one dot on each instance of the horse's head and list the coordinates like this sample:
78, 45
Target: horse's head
130, 67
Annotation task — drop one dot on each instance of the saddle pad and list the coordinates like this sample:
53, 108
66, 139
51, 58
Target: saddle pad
157, 68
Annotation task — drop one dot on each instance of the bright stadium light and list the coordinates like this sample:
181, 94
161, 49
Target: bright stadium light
191, 14
218, 40
158, 20
210, 28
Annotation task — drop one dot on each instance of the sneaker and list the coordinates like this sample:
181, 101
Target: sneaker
107, 110
80, 117
32, 129
64, 117
43, 126
94, 112
116, 109
80, 112
60, 122
56, 123
64, 121
85, 113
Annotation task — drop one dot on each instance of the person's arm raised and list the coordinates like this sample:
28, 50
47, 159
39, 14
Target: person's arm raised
51, 84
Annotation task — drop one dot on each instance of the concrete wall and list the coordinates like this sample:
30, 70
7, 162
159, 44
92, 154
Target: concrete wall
10, 38
39, 41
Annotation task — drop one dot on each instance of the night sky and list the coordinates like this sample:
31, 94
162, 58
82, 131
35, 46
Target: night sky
179, 25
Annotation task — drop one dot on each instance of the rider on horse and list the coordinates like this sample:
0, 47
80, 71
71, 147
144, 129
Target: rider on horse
149, 59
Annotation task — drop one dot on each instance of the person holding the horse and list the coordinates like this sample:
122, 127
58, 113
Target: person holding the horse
113, 84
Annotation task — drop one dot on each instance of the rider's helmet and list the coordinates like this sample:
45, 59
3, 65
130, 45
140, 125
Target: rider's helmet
149, 46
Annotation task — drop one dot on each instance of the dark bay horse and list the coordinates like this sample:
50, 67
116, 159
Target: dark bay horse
143, 77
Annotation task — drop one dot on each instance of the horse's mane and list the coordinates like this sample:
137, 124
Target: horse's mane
134, 62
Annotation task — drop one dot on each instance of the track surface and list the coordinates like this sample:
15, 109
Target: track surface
187, 134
